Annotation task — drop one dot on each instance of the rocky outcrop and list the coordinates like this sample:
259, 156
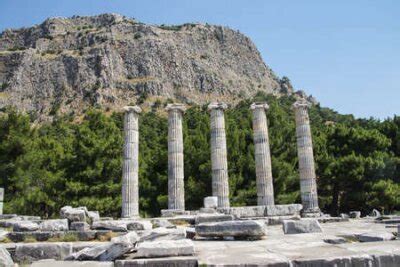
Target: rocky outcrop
110, 60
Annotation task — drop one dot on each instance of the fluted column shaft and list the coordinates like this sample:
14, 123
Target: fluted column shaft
130, 170
219, 162
176, 190
308, 185
265, 187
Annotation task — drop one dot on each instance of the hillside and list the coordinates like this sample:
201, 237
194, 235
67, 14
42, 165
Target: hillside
65, 65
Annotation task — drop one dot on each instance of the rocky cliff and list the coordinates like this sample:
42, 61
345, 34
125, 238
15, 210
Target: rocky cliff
68, 64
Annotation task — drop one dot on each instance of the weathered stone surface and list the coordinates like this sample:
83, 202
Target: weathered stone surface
166, 248
25, 226
355, 214
210, 202
103, 252
173, 212
93, 216
3, 235
205, 218
159, 262
37, 251
301, 226
73, 214
344, 215
54, 263
80, 226
114, 225
139, 225
244, 212
275, 220
375, 213
283, 210
130, 238
162, 223
207, 210
5, 258
244, 229
374, 237
54, 225
160, 234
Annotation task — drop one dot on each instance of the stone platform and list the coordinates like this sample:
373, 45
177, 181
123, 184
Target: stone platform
278, 249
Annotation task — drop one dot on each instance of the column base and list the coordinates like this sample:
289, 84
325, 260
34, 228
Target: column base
173, 212
311, 213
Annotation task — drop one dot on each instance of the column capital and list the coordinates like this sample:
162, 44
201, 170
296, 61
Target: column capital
176, 106
135, 109
301, 103
258, 105
217, 105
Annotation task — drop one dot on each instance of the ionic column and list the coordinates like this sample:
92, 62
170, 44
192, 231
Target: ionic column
219, 162
176, 190
265, 187
130, 177
308, 186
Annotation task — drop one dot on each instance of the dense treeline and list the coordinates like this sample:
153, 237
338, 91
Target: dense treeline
77, 161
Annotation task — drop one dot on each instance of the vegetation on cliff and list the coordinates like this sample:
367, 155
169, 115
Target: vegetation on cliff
44, 167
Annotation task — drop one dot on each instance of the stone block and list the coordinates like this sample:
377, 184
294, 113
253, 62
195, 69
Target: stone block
130, 238
73, 214
207, 210
88, 235
240, 229
276, 220
244, 212
210, 202
160, 234
159, 262
283, 210
344, 215
27, 253
162, 223
138, 225
113, 225
102, 252
375, 213
54, 225
54, 263
374, 237
5, 258
165, 248
355, 214
80, 226
25, 226
301, 226
173, 213
93, 216
205, 218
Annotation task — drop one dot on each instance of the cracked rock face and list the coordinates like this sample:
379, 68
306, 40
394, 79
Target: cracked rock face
108, 60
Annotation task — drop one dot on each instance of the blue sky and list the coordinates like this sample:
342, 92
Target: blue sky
345, 53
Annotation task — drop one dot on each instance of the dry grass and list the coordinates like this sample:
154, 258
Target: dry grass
107, 236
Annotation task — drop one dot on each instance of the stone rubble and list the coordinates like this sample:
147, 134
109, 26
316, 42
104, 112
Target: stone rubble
25, 226
54, 225
5, 258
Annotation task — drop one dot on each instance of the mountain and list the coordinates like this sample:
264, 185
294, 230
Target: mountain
67, 64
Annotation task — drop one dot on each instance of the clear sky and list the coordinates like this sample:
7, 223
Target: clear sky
345, 53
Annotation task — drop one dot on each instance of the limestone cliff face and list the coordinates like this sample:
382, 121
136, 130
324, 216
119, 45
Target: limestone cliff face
68, 64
